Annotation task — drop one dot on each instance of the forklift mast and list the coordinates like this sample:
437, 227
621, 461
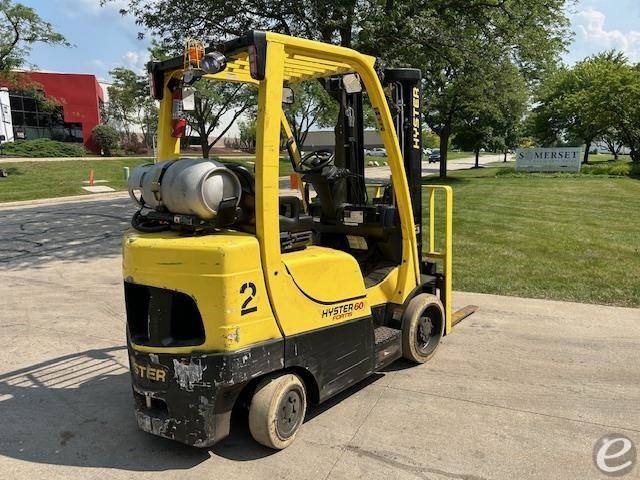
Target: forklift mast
406, 106
349, 138
405, 103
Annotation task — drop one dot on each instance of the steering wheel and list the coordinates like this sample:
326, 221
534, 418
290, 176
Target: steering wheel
315, 161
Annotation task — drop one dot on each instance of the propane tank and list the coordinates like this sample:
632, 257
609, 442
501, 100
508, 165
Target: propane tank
186, 187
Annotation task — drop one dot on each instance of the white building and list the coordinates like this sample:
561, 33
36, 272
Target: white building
6, 125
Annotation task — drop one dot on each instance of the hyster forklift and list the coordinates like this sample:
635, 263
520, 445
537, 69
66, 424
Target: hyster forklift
237, 297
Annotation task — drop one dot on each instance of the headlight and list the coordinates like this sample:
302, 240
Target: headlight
213, 62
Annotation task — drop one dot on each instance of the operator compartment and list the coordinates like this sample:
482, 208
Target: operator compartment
189, 292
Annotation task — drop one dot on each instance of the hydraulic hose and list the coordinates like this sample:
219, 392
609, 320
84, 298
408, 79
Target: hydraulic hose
144, 225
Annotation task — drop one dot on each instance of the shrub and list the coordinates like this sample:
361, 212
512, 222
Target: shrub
134, 147
618, 169
612, 169
106, 137
505, 171
43, 147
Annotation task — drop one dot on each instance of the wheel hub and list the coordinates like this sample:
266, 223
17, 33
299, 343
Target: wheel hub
289, 413
424, 332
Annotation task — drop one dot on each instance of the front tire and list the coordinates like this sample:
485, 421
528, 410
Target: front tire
277, 410
422, 327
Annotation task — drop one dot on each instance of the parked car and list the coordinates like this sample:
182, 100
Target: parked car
434, 156
378, 152
427, 151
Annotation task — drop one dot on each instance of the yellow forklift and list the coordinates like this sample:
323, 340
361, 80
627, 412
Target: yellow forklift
236, 295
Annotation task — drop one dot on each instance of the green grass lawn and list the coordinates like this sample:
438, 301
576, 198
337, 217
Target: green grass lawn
573, 238
285, 167
32, 180
607, 157
458, 155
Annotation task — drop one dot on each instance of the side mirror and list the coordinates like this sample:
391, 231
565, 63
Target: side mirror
287, 96
191, 76
351, 83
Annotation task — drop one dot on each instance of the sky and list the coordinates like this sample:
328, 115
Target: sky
104, 39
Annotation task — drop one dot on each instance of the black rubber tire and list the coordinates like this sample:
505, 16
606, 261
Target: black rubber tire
274, 401
422, 327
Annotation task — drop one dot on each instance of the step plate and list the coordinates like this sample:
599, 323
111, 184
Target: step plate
388, 346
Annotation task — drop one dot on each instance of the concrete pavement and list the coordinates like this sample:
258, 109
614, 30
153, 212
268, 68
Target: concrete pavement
522, 389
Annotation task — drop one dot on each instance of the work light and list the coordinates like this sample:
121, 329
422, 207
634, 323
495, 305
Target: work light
213, 62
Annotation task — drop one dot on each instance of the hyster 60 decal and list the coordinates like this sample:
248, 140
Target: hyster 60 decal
341, 312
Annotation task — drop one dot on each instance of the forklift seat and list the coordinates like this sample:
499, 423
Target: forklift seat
292, 216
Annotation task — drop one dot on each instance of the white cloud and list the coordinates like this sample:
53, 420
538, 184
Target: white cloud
590, 25
99, 63
136, 60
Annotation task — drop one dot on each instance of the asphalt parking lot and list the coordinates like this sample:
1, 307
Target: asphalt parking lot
522, 389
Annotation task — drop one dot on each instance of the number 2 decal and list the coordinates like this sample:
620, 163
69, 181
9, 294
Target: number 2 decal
252, 295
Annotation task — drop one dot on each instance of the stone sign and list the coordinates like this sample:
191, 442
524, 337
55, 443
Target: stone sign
548, 159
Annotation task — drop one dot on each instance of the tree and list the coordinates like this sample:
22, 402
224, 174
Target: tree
106, 138
576, 105
331, 21
248, 136
461, 46
312, 106
475, 134
131, 105
491, 117
218, 104
126, 95
611, 138
430, 139
513, 136
624, 82
454, 42
149, 121
20, 28
512, 103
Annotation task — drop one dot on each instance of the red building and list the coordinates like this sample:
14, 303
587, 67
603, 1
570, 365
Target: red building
79, 97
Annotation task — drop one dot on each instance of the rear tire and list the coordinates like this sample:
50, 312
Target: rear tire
422, 327
277, 410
